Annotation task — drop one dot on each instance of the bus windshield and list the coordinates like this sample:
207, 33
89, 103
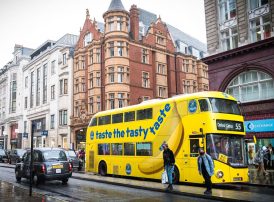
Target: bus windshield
227, 148
224, 106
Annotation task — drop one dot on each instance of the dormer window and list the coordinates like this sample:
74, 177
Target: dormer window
87, 39
160, 40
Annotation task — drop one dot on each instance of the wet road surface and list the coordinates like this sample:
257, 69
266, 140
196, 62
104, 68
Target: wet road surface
81, 190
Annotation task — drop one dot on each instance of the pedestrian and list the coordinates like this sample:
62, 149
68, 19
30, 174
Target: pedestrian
266, 157
259, 160
206, 168
250, 155
271, 162
169, 161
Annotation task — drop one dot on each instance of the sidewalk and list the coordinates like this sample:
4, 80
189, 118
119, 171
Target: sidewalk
261, 180
11, 193
186, 190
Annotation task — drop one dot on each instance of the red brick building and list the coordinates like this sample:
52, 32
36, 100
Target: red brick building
132, 57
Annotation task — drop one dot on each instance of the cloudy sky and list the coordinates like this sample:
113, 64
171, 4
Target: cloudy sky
32, 22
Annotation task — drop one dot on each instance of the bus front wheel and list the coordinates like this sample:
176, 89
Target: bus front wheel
103, 168
176, 175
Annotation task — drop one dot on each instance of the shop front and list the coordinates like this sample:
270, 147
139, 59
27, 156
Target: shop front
14, 140
81, 139
39, 132
259, 133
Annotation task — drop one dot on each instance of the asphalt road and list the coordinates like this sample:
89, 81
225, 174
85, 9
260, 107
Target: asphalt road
82, 190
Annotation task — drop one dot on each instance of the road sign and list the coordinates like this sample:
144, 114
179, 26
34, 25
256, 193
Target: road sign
44, 133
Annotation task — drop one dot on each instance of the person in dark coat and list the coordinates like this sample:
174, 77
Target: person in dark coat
169, 161
206, 168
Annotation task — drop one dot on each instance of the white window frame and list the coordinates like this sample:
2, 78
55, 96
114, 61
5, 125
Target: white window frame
230, 37
261, 26
226, 11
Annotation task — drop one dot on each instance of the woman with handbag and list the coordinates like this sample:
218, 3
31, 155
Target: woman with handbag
169, 161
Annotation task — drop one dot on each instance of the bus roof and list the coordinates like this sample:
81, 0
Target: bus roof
149, 103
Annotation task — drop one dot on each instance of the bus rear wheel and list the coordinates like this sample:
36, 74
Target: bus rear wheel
102, 168
175, 175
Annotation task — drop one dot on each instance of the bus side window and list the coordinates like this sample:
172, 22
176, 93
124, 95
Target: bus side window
117, 118
144, 114
144, 149
129, 116
194, 147
129, 149
93, 122
117, 149
104, 120
103, 149
203, 105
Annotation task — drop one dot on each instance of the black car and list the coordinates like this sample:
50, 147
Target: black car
48, 164
3, 156
16, 155
74, 160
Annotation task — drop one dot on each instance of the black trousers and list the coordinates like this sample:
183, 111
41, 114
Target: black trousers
207, 178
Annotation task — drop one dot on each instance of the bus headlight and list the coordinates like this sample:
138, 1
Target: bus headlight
219, 174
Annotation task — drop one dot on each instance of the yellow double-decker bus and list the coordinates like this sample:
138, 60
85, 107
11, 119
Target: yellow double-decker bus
127, 141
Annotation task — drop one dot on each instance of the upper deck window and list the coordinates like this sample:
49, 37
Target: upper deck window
203, 105
144, 114
93, 122
104, 120
129, 116
224, 106
117, 118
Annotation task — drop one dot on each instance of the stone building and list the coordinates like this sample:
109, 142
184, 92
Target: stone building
11, 86
131, 57
46, 93
241, 59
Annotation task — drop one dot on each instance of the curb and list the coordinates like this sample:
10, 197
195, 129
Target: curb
161, 190
256, 185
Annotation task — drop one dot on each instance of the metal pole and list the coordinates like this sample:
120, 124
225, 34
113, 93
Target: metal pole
31, 158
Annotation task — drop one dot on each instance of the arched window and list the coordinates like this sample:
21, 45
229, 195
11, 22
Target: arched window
251, 86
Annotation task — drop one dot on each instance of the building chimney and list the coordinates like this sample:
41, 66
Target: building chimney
134, 22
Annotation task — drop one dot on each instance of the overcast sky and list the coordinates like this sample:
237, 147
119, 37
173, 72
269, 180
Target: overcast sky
32, 22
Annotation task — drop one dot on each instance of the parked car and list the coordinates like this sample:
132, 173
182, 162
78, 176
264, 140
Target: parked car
48, 164
74, 160
16, 155
3, 156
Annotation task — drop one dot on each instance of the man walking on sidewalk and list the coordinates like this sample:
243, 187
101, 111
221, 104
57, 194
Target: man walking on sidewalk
169, 161
206, 168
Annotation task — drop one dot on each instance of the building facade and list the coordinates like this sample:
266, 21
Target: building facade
11, 86
131, 57
241, 60
47, 93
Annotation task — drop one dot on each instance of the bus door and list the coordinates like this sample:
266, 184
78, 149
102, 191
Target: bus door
192, 173
90, 157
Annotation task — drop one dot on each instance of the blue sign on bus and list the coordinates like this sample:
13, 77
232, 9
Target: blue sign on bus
265, 125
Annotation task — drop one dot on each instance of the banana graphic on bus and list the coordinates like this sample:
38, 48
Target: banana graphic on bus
172, 128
